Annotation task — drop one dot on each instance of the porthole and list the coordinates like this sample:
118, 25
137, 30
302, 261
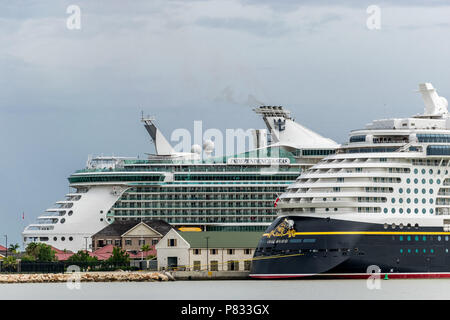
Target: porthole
423, 171
408, 210
408, 190
424, 191
416, 210
401, 226
101, 211
416, 200
416, 171
393, 226
70, 213
63, 238
400, 200
385, 210
439, 238
431, 191
408, 200
393, 210
424, 181
431, 181
431, 171
408, 225
401, 211
416, 226
416, 191
408, 180
386, 226
438, 181
70, 238
393, 200
62, 221
101, 219
400, 190
55, 238
424, 210
416, 181
431, 211
424, 200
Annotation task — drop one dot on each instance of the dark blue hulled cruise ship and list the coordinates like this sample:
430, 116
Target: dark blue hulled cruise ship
380, 203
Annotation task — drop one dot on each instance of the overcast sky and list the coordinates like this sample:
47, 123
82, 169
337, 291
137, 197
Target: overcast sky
65, 94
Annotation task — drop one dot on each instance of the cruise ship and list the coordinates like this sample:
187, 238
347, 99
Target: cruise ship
380, 204
189, 190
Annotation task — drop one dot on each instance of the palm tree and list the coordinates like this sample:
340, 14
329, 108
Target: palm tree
145, 248
13, 247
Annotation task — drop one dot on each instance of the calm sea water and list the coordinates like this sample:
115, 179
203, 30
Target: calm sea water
235, 290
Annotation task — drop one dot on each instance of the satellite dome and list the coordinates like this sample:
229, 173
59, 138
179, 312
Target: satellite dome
196, 149
208, 146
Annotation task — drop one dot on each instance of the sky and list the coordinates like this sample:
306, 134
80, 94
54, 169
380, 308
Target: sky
68, 93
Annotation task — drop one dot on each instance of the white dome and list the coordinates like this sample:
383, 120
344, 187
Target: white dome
196, 149
208, 146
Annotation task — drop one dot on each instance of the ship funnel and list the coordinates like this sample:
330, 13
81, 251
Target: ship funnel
434, 104
162, 146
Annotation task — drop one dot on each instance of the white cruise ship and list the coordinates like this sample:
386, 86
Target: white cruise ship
231, 193
380, 203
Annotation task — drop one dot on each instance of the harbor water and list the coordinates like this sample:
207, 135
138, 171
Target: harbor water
236, 290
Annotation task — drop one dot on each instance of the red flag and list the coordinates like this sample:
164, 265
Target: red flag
275, 204
23, 215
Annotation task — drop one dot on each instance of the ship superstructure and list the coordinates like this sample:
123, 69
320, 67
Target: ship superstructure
381, 202
232, 193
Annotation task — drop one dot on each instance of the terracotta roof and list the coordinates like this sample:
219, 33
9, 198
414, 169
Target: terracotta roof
63, 256
60, 251
2, 248
101, 254
140, 254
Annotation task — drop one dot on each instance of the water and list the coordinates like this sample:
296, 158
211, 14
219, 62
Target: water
235, 290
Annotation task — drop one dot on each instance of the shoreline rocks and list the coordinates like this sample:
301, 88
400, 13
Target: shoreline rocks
85, 277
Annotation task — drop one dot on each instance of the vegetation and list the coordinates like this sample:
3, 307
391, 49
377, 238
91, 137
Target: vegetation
39, 252
119, 258
14, 247
9, 264
83, 257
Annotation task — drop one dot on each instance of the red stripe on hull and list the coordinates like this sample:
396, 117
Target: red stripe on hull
357, 276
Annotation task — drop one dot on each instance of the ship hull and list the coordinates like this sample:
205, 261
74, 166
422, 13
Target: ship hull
324, 247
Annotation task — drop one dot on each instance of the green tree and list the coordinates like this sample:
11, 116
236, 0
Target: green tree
145, 248
13, 247
83, 257
119, 257
39, 252
9, 263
